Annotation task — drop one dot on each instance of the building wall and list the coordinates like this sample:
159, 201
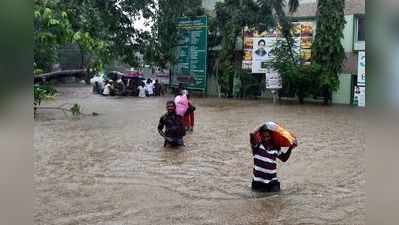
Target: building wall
347, 41
344, 93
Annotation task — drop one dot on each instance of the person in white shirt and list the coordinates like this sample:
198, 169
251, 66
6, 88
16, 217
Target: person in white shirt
142, 91
107, 89
98, 84
121, 87
149, 87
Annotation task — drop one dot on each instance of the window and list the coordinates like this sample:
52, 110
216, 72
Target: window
360, 29
359, 34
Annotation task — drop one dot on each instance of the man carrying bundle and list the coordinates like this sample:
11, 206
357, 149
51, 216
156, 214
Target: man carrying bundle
266, 150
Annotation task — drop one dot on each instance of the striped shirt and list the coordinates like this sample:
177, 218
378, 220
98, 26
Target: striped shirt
265, 164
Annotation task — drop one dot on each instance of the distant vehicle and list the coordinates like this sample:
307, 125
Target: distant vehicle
114, 75
134, 73
138, 79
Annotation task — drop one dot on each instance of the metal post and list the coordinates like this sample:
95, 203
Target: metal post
274, 92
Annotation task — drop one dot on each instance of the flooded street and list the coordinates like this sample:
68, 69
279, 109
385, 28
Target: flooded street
112, 169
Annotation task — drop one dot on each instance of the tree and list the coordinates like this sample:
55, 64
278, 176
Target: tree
102, 29
110, 25
160, 48
299, 80
327, 48
52, 29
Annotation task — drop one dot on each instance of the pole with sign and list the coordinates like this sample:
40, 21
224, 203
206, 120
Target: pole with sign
273, 82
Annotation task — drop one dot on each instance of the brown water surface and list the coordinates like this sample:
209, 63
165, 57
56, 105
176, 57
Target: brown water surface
112, 168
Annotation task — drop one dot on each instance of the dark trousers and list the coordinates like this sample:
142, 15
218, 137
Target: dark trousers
273, 186
175, 143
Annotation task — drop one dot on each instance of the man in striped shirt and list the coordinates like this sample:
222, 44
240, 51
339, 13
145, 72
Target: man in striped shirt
265, 155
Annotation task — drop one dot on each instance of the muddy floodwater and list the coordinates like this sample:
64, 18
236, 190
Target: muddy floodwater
112, 169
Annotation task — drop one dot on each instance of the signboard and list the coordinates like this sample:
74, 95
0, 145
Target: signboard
360, 89
191, 53
361, 68
361, 97
273, 80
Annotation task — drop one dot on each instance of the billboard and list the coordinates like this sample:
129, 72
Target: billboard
191, 53
261, 54
258, 46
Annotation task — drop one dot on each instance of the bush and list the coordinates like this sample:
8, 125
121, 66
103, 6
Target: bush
42, 92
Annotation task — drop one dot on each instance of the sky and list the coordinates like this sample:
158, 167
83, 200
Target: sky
140, 24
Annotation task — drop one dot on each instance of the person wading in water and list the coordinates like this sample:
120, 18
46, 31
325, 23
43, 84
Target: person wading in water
174, 128
266, 153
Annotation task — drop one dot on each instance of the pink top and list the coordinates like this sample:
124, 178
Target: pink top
181, 102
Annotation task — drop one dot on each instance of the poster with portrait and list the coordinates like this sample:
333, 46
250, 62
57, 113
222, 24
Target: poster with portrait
306, 41
261, 54
306, 29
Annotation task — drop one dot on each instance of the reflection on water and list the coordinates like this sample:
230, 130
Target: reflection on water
112, 169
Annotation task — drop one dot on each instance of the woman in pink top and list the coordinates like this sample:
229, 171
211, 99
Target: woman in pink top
181, 102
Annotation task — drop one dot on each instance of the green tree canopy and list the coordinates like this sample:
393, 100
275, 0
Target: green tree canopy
160, 48
327, 47
103, 29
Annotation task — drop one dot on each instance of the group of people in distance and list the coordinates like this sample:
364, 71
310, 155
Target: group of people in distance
150, 88
123, 86
178, 119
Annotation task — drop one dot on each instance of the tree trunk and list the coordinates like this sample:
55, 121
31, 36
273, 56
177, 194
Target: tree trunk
301, 99
60, 74
326, 96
